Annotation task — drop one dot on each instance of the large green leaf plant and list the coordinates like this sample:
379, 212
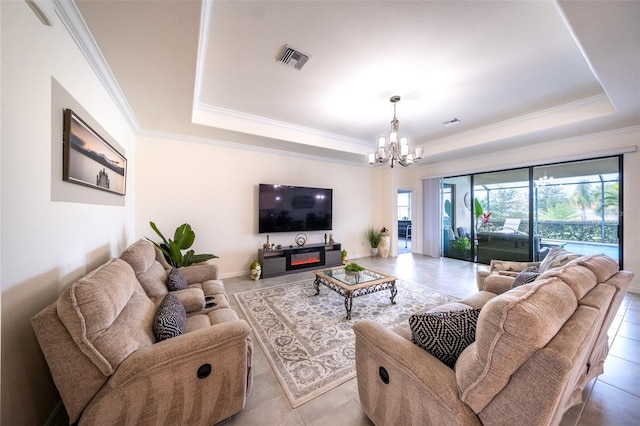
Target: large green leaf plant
183, 239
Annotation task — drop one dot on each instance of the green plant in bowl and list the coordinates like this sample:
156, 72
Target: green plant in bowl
354, 270
353, 267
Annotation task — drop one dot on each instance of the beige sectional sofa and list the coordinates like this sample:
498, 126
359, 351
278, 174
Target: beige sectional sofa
99, 342
536, 347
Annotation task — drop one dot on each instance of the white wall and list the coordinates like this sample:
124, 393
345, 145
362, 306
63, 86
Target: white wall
590, 146
214, 187
46, 244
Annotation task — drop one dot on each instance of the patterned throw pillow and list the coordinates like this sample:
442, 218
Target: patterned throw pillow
175, 280
170, 319
526, 276
557, 257
444, 334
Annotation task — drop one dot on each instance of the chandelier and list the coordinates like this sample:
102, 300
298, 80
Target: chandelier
396, 151
544, 180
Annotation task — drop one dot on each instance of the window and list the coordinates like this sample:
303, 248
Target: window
404, 205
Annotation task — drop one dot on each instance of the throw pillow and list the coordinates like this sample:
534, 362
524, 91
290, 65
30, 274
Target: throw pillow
526, 276
170, 319
557, 257
444, 334
175, 280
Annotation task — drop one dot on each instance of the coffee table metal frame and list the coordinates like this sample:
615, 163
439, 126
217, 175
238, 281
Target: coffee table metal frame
347, 286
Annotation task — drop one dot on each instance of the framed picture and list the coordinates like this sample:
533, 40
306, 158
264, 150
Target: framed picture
89, 160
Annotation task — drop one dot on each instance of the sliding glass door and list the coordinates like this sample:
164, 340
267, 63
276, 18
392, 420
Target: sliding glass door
457, 235
501, 212
521, 214
578, 205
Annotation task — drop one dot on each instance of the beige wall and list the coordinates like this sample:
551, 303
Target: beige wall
214, 188
47, 240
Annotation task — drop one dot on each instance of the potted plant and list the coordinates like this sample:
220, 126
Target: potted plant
345, 257
354, 270
374, 236
183, 239
462, 245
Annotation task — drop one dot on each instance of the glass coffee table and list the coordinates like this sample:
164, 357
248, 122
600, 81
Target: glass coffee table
350, 286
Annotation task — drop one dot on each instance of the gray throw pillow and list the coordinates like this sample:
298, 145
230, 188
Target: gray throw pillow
170, 319
175, 280
444, 334
526, 276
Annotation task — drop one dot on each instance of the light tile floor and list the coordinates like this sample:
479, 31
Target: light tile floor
611, 399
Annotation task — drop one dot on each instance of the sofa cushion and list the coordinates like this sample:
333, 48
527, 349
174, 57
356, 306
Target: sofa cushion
580, 279
191, 298
152, 276
511, 327
170, 319
175, 280
526, 276
444, 334
603, 267
107, 314
557, 257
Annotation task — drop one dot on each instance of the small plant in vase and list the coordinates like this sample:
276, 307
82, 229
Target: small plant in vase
374, 236
354, 270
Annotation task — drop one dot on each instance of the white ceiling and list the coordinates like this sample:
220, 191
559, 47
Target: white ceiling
514, 72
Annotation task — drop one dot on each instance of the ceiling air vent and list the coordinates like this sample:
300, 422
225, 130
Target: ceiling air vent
293, 58
452, 122
40, 13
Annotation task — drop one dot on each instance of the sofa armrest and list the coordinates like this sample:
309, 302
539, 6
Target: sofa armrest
482, 273
199, 344
200, 272
420, 389
498, 284
191, 298
203, 376
498, 266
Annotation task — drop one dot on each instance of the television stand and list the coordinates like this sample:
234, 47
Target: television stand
291, 259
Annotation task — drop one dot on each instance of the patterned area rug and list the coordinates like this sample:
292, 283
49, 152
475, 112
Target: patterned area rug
307, 338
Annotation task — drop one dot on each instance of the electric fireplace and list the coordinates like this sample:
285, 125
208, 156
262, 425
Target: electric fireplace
304, 258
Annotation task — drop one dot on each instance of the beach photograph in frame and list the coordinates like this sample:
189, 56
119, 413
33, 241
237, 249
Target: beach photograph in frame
90, 160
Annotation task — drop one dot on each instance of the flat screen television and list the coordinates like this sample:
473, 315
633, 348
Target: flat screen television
285, 208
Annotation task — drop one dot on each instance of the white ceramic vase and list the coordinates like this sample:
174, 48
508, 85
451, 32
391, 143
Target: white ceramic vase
384, 246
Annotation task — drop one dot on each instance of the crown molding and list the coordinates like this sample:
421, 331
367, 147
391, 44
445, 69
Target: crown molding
249, 147
70, 16
572, 112
549, 146
237, 121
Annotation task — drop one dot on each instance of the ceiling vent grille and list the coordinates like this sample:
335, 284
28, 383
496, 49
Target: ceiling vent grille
40, 13
291, 57
452, 122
